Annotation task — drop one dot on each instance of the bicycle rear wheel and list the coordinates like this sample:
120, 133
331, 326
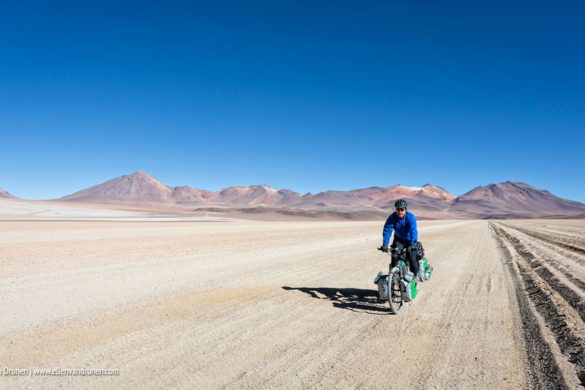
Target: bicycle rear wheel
395, 297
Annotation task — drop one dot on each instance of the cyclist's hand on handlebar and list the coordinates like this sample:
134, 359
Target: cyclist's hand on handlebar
383, 248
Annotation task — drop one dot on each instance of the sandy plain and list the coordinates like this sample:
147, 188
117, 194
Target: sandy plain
259, 304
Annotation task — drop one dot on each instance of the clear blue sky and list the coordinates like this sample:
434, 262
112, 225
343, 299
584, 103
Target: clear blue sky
306, 95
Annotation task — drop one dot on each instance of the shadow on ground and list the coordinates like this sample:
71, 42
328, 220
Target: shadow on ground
354, 299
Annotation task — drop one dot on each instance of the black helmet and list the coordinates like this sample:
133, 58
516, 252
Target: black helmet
400, 204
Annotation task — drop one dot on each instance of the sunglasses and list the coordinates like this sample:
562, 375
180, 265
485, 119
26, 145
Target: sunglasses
400, 209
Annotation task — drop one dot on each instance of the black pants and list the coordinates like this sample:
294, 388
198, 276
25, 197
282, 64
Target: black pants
410, 254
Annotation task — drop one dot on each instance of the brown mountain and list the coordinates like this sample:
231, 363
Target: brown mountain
138, 187
190, 196
509, 199
6, 195
427, 197
514, 199
259, 195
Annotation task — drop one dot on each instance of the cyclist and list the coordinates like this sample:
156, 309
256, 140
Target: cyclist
403, 223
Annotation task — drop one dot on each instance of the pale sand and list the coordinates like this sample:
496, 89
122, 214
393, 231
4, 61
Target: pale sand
23, 210
252, 304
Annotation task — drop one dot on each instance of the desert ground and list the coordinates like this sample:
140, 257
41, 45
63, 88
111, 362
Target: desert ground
265, 304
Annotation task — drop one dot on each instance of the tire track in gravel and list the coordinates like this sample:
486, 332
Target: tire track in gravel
559, 241
546, 305
569, 265
539, 266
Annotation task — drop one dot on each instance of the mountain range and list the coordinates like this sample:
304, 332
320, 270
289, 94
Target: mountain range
6, 195
503, 200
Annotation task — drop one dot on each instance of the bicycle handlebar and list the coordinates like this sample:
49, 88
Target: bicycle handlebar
394, 250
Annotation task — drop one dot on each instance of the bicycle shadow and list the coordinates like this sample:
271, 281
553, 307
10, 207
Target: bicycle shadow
354, 299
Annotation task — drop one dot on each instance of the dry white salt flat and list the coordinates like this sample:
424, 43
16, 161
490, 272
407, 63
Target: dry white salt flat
11, 210
254, 305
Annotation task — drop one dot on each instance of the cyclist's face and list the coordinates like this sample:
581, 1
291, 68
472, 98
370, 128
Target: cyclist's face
401, 212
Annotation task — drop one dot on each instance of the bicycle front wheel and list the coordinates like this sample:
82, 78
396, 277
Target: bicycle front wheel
395, 297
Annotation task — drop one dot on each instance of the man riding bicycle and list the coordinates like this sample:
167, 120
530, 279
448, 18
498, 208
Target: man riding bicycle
403, 223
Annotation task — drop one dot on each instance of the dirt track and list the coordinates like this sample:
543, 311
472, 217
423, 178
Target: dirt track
547, 263
265, 304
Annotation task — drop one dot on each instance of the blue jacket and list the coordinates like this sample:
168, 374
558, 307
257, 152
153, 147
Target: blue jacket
405, 228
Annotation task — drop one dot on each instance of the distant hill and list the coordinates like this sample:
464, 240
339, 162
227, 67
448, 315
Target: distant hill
427, 197
142, 188
259, 195
514, 199
504, 200
6, 195
139, 187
